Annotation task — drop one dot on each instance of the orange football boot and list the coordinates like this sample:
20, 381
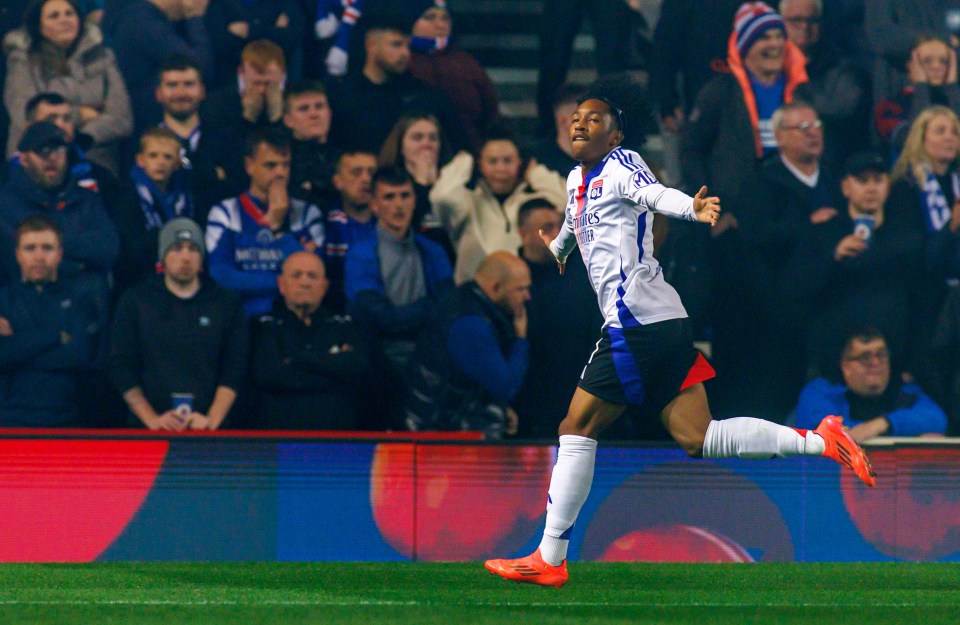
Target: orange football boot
840, 447
530, 570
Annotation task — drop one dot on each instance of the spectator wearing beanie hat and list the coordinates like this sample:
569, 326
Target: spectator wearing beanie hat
444, 66
176, 231
179, 336
728, 133
439, 36
729, 129
731, 117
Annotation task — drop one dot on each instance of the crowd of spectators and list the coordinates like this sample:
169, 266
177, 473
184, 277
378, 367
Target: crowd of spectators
309, 214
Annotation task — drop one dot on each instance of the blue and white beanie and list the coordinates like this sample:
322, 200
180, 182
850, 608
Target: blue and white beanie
752, 20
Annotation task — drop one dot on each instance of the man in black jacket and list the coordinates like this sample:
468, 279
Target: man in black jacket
307, 115
209, 157
858, 268
368, 104
254, 99
308, 363
179, 346
50, 335
145, 32
793, 193
564, 319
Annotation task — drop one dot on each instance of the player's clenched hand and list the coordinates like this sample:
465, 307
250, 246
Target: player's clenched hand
706, 208
547, 240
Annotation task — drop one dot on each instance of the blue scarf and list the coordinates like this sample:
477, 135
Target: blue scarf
327, 23
936, 210
428, 45
159, 207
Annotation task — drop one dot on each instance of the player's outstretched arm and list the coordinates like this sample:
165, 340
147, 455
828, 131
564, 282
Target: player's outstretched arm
706, 208
547, 241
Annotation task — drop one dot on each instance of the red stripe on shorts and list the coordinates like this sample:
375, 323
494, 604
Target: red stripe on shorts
699, 372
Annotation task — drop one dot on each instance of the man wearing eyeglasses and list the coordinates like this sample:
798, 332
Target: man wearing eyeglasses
795, 188
870, 400
837, 88
794, 191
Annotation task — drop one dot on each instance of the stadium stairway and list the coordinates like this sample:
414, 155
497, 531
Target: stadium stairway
503, 36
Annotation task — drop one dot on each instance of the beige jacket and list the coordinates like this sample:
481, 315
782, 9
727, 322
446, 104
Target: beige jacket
476, 221
94, 80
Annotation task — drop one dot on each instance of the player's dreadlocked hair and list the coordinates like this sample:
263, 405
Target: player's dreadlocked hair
629, 105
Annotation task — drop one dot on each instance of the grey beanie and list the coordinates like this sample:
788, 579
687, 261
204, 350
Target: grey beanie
176, 230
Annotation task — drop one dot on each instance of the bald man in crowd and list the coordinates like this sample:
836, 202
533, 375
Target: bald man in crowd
471, 361
308, 363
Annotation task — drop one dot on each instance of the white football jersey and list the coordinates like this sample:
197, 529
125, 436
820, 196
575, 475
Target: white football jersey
609, 214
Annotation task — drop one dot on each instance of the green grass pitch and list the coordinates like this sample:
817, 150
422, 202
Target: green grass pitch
465, 594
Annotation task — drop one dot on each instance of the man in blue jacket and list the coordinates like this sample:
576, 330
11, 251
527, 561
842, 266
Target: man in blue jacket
472, 360
50, 335
42, 183
394, 279
871, 402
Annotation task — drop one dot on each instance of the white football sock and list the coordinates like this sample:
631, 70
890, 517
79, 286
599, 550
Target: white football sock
569, 487
746, 437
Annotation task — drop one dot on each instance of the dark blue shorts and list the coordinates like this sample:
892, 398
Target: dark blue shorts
645, 366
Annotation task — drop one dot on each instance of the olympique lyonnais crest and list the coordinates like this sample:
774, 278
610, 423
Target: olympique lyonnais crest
596, 189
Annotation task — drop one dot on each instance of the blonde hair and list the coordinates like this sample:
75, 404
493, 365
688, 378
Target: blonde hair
913, 156
261, 53
158, 133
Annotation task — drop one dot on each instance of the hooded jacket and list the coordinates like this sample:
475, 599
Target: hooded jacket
721, 147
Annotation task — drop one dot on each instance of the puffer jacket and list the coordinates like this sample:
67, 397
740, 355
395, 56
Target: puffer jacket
94, 80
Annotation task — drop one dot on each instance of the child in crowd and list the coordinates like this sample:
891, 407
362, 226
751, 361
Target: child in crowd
156, 193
